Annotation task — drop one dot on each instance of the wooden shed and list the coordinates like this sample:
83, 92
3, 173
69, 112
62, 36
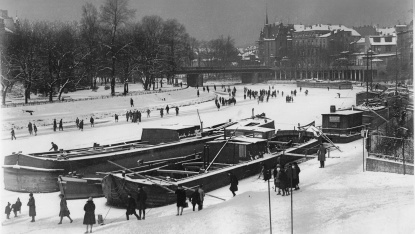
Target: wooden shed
237, 150
342, 122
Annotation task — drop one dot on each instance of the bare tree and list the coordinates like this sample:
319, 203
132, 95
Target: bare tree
91, 36
114, 15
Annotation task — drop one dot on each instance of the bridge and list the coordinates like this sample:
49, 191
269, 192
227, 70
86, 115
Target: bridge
253, 74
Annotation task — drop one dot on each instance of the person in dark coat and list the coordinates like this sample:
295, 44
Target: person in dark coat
8, 210
161, 112
197, 93
60, 125
127, 115
54, 147
195, 198
81, 125
291, 175
89, 217
77, 122
148, 113
18, 206
297, 180
91, 120
141, 202
116, 118
64, 211
54, 125
131, 205
181, 199
13, 134
167, 109
139, 116
13, 208
234, 183
35, 129
29, 126
131, 102
321, 155
32, 207
177, 110
202, 196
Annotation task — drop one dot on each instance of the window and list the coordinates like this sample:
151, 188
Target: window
388, 39
376, 39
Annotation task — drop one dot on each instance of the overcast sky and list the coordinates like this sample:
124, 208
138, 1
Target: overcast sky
241, 19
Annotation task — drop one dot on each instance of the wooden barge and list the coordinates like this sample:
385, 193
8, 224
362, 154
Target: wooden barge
243, 153
38, 172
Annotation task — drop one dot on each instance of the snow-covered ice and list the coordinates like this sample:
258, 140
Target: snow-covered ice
340, 198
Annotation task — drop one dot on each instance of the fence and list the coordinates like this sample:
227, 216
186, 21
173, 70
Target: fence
134, 93
392, 148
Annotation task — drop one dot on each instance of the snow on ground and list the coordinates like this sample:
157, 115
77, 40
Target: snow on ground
337, 199
303, 110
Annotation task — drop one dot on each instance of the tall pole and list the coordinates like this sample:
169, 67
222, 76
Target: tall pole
363, 165
403, 154
371, 71
269, 205
367, 80
292, 222
396, 75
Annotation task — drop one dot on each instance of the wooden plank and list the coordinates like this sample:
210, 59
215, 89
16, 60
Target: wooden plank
178, 172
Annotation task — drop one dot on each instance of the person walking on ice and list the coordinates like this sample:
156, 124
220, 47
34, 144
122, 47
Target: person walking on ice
89, 217
177, 110
35, 129
32, 207
180, 199
321, 155
148, 113
29, 126
131, 205
64, 211
141, 200
233, 182
54, 125
60, 125
8, 210
131, 102
13, 134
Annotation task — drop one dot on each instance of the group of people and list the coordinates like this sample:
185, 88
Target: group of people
89, 208
55, 125
132, 204
196, 198
286, 177
16, 207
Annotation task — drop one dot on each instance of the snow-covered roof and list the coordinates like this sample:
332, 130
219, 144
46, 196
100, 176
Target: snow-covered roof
326, 27
382, 41
298, 27
386, 31
325, 35
361, 40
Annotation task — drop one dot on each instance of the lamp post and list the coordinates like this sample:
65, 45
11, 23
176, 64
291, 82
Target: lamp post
292, 220
369, 52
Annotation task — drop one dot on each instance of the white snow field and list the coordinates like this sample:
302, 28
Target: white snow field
340, 198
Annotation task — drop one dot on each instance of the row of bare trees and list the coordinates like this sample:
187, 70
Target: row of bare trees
106, 43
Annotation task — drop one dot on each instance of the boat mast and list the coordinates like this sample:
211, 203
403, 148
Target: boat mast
201, 122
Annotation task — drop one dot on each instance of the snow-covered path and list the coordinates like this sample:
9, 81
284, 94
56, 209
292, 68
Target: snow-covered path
337, 199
